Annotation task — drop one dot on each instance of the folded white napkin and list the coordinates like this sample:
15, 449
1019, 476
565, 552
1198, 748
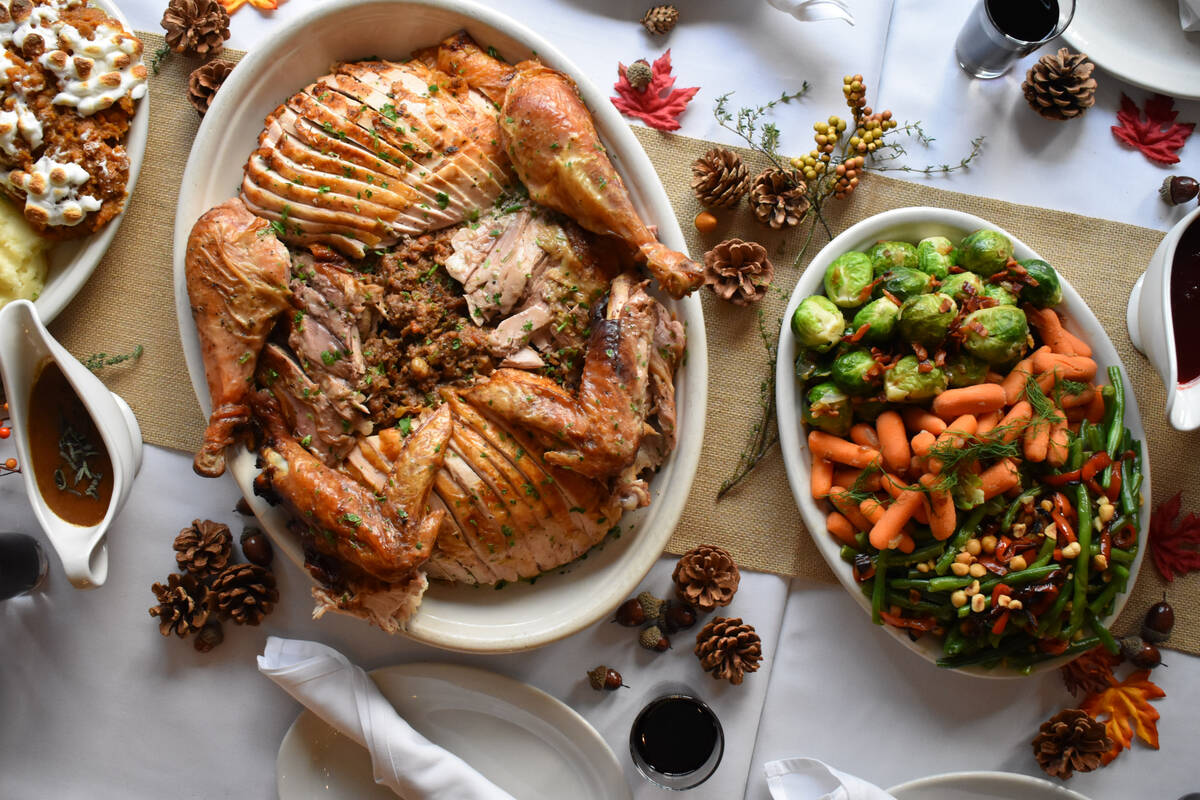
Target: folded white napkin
810, 779
1189, 14
816, 10
344, 696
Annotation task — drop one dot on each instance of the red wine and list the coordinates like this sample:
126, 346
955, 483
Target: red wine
675, 735
1026, 20
22, 564
1185, 299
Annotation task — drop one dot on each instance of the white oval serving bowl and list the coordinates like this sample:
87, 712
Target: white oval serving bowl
71, 263
911, 225
465, 618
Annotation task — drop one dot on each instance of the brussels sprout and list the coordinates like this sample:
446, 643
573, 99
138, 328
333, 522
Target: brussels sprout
935, 256
811, 364
998, 293
925, 319
848, 279
903, 283
905, 383
1048, 292
856, 372
828, 409
961, 286
881, 315
889, 255
965, 370
817, 323
868, 409
984, 252
997, 335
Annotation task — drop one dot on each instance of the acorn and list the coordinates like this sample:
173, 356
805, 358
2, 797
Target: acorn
1130, 646
1160, 619
678, 617
1147, 657
243, 508
604, 678
209, 636
1178, 189
652, 606
630, 614
653, 639
639, 74
256, 547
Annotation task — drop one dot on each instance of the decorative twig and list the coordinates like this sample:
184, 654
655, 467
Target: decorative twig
98, 361
160, 55
765, 432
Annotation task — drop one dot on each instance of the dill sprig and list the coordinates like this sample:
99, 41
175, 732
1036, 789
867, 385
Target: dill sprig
1066, 387
1044, 409
955, 454
98, 361
858, 491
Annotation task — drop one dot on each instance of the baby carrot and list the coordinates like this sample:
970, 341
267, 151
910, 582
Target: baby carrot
822, 477
893, 441
1095, 409
955, 435
942, 516
845, 504
1056, 455
979, 399
888, 531
1051, 329
918, 419
1014, 382
1073, 368
897, 489
836, 449
987, 422
923, 442
872, 509
864, 434
1015, 421
840, 527
843, 476
999, 478
1077, 400
1036, 440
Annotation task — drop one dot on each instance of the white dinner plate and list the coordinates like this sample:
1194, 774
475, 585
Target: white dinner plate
522, 739
71, 263
457, 617
1140, 42
982, 786
911, 225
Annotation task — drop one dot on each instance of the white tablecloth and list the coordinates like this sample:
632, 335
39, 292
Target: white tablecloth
96, 704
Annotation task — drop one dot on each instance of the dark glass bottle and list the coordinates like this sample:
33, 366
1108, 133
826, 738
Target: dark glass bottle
23, 564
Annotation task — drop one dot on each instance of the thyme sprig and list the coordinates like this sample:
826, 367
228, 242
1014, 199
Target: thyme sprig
75, 449
764, 434
98, 361
160, 55
762, 137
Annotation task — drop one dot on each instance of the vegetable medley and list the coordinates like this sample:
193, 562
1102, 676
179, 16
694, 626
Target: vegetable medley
979, 475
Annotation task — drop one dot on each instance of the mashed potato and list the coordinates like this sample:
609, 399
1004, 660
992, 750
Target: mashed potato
22, 256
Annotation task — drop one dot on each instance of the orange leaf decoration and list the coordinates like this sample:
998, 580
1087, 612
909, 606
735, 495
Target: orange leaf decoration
1126, 706
262, 5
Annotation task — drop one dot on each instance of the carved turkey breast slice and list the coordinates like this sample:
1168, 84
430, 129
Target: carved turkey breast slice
374, 151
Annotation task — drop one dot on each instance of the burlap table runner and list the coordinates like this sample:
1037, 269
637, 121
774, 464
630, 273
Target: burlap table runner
130, 301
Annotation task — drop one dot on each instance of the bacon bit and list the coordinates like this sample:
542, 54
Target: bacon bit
892, 297
939, 357
922, 624
858, 334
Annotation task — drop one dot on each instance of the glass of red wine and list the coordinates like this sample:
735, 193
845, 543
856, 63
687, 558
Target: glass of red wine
23, 565
676, 741
998, 32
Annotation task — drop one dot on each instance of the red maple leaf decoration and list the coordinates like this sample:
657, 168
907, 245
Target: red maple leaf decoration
659, 104
1175, 548
1159, 137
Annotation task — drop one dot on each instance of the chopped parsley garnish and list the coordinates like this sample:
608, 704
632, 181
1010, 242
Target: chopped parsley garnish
442, 198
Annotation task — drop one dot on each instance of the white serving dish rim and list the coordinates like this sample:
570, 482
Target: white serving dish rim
624, 561
794, 446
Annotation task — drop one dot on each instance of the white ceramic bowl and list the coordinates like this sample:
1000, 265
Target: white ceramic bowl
72, 263
982, 786
911, 225
462, 618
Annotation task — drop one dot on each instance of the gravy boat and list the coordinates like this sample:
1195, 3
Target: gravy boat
1151, 327
25, 348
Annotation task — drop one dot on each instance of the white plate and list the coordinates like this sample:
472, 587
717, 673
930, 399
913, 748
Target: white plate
982, 786
72, 263
522, 739
911, 225
463, 618
1145, 47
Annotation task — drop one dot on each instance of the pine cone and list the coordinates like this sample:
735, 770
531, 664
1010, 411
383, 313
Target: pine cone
204, 82
1091, 672
198, 27
706, 577
1070, 742
779, 197
245, 593
183, 605
204, 548
1060, 86
719, 178
728, 649
660, 19
738, 272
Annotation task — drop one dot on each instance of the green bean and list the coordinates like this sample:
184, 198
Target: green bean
1027, 575
1106, 638
1104, 599
948, 583
1117, 428
920, 584
1083, 507
985, 655
1129, 504
1108, 393
861, 539
969, 526
1076, 648
878, 591
1075, 455
920, 554
1120, 576
1045, 554
1024, 497
955, 643
848, 554
933, 609
1119, 556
